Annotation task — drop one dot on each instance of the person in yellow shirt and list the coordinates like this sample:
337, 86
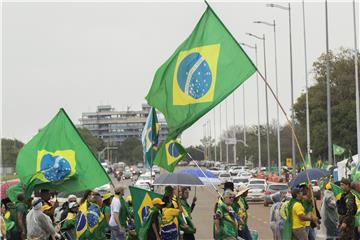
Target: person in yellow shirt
298, 216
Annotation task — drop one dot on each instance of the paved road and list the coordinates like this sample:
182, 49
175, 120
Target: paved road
203, 213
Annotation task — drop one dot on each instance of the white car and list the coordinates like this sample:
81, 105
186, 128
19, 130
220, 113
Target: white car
258, 181
246, 175
225, 177
239, 181
256, 192
144, 179
235, 170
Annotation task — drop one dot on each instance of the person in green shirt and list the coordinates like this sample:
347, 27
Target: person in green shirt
69, 224
225, 218
241, 207
107, 197
21, 209
185, 219
130, 222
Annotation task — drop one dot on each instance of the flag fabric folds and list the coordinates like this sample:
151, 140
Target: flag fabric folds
150, 138
88, 219
355, 173
207, 67
338, 151
336, 190
170, 154
58, 159
142, 204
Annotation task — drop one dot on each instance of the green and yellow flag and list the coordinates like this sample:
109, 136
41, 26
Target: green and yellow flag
338, 151
150, 138
58, 159
142, 205
308, 164
207, 67
336, 190
170, 154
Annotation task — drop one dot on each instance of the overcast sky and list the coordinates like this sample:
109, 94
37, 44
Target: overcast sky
80, 55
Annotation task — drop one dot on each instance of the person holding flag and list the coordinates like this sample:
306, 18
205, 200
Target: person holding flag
169, 225
347, 209
185, 219
69, 224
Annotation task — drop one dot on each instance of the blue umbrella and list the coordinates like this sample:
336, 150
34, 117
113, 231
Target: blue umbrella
207, 179
314, 174
177, 179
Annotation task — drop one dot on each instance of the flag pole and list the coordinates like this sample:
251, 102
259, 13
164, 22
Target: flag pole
216, 190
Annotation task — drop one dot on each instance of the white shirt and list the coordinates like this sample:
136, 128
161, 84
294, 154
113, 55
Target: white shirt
115, 208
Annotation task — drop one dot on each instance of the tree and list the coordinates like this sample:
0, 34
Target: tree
343, 111
9, 151
196, 152
130, 151
95, 144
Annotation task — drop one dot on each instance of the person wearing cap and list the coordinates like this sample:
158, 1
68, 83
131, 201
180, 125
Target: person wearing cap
185, 219
347, 210
169, 227
241, 207
295, 225
106, 210
225, 218
150, 229
310, 210
64, 209
117, 227
69, 223
39, 225
329, 216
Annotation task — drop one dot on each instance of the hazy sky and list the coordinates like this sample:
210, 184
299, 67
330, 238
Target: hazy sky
80, 55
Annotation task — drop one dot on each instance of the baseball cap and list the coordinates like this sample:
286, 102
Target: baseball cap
157, 201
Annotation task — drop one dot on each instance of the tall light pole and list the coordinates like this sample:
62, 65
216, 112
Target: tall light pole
266, 98
244, 115
234, 127
288, 8
220, 142
307, 89
356, 83
328, 93
226, 124
258, 101
273, 25
215, 158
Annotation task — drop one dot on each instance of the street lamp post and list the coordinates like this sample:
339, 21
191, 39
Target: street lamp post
356, 83
258, 101
273, 25
266, 98
288, 8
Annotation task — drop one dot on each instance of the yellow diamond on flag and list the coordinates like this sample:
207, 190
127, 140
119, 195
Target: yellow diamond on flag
144, 208
195, 75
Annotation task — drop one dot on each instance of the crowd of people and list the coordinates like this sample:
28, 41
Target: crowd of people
41, 218
300, 219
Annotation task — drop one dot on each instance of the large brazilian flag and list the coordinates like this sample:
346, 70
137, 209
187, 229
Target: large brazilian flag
207, 67
142, 205
58, 159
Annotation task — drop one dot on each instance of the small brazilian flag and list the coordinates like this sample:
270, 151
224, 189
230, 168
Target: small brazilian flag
58, 159
170, 153
150, 138
338, 151
142, 205
207, 67
336, 190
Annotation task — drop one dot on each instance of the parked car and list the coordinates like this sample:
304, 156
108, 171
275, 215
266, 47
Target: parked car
144, 179
238, 181
224, 177
216, 171
256, 192
257, 181
244, 174
282, 188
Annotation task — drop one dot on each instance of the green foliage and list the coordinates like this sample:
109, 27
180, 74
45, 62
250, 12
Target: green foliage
9, 151
96, 144
130, 151
343, 111
196, 152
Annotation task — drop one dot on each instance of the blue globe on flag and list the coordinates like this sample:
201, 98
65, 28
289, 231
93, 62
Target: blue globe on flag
194, 75
173, 150
144, 213
54, 168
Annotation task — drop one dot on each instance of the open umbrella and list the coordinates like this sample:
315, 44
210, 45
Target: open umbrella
205, 176
6, 185
314, 174
177, 179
